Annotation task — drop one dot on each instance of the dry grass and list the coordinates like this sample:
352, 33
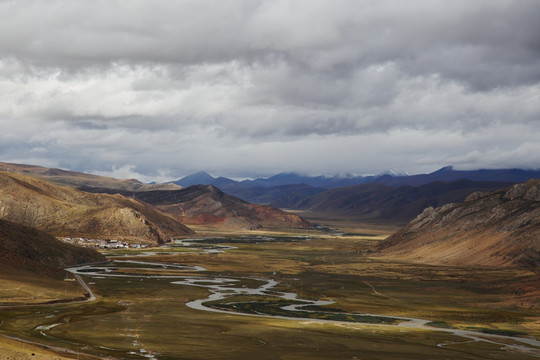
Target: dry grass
16, 350
22, 287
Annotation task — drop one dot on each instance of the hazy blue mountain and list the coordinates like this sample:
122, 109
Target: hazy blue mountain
223, 181
285, 179
449, 174
201, 177
294, 186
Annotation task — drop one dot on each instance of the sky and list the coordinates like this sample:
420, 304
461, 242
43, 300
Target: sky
156, 90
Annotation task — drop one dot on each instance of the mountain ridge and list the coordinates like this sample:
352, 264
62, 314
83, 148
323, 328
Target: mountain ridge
390, 177
64, 211
499, 228
208, 205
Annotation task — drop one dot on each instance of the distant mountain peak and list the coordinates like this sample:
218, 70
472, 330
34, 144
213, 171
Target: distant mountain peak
393, 173
445, 169
200, 174
201, 177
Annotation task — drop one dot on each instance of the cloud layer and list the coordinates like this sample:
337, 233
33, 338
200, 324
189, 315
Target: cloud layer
159, 89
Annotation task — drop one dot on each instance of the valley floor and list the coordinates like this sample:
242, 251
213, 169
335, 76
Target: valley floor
141, 312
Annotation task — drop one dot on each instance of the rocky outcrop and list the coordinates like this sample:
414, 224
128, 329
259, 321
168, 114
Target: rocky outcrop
63, 211
500, 228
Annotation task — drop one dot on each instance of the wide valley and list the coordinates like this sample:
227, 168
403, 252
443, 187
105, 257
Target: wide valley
305, 294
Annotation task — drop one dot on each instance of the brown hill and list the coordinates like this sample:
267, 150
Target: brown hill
206, 204
500, 228
77, 179
64, 211
28, 249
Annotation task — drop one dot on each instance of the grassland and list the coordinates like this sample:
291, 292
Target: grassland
15, 350
22, 288
137, 317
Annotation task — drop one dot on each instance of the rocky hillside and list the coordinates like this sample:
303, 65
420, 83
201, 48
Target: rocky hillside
206, 204
77, 179
63, 211
31, 250
500, 228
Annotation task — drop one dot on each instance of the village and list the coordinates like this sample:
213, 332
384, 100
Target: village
102, 244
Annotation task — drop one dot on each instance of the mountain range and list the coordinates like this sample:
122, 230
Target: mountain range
107, 209
390, 177
490, 227
286, 185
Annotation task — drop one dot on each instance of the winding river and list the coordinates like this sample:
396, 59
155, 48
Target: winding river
221, 288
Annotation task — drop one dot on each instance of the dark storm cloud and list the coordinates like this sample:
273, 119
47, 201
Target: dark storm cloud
454, 40
119, 86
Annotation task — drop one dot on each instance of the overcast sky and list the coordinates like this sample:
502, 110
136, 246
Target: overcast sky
159, 89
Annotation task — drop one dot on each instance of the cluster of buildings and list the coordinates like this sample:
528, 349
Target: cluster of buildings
102, 244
